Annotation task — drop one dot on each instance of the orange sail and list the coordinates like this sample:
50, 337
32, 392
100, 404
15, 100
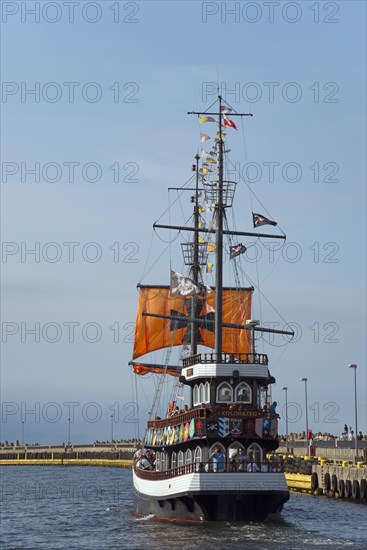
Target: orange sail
152, 333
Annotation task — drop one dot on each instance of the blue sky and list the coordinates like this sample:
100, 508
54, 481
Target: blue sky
161, 66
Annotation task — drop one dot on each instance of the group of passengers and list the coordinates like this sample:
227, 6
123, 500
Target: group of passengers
173, 409
239, 462
145, 459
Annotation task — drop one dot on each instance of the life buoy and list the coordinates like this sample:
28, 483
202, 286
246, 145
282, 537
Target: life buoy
327, 482
314, 481
341, 488
334, 483
348, 488
363, 487
355, 489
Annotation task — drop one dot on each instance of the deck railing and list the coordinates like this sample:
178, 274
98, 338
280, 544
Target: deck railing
228, 468
177, 419
223, 358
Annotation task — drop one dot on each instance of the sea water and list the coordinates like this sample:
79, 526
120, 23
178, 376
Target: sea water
92, 508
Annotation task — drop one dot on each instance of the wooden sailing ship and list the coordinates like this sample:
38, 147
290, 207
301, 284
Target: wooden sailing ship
211, 456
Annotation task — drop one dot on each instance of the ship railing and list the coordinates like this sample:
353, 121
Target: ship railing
181, 418
223, 358
249, 468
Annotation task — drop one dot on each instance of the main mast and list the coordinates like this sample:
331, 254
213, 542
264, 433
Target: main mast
219, 242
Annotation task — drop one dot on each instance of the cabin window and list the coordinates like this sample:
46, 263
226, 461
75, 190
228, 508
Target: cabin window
257, 451
196, 395
158, 462
180, 459
174, 460
207, 393
213, 447
201, 393
243, 393
197, 455
163, 465
235, 448
224, 393
188, 457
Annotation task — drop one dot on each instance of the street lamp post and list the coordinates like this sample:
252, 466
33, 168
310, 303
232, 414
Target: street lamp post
23, 433
286, 419
69, 442
111, 416
354, 366
305, 381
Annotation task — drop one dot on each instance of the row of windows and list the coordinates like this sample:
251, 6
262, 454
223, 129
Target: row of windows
201, 393
225, 393
181, 458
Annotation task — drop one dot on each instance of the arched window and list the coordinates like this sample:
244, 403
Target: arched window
237, 459
243, 393
207, 392
197, 455
196, 394
201, 393
224, 393
235, 448
163, 461
180, 459
257, 452
174, 460
188, 457
213, 447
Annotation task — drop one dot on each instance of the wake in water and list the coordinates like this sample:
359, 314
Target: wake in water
145, 518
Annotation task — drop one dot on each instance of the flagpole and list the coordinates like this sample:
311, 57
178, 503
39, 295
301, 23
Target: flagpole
219, 242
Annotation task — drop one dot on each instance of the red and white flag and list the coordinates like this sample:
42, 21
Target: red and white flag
208, 308
204, 137
229, 123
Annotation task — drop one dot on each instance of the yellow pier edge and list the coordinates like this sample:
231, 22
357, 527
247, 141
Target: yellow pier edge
299, 482
121, 463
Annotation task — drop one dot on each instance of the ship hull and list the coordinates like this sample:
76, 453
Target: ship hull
212, 497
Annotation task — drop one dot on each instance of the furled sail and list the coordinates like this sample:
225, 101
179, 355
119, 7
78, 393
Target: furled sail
146, 368
152, 333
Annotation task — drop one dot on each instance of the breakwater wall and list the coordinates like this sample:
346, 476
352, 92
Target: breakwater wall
319, 476
332, 450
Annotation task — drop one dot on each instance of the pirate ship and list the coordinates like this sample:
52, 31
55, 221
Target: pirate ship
210, 456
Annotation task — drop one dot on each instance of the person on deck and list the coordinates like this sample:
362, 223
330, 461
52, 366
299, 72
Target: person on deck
218, 460
252, 466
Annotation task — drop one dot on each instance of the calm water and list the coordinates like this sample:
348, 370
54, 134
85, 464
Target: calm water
91, 508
